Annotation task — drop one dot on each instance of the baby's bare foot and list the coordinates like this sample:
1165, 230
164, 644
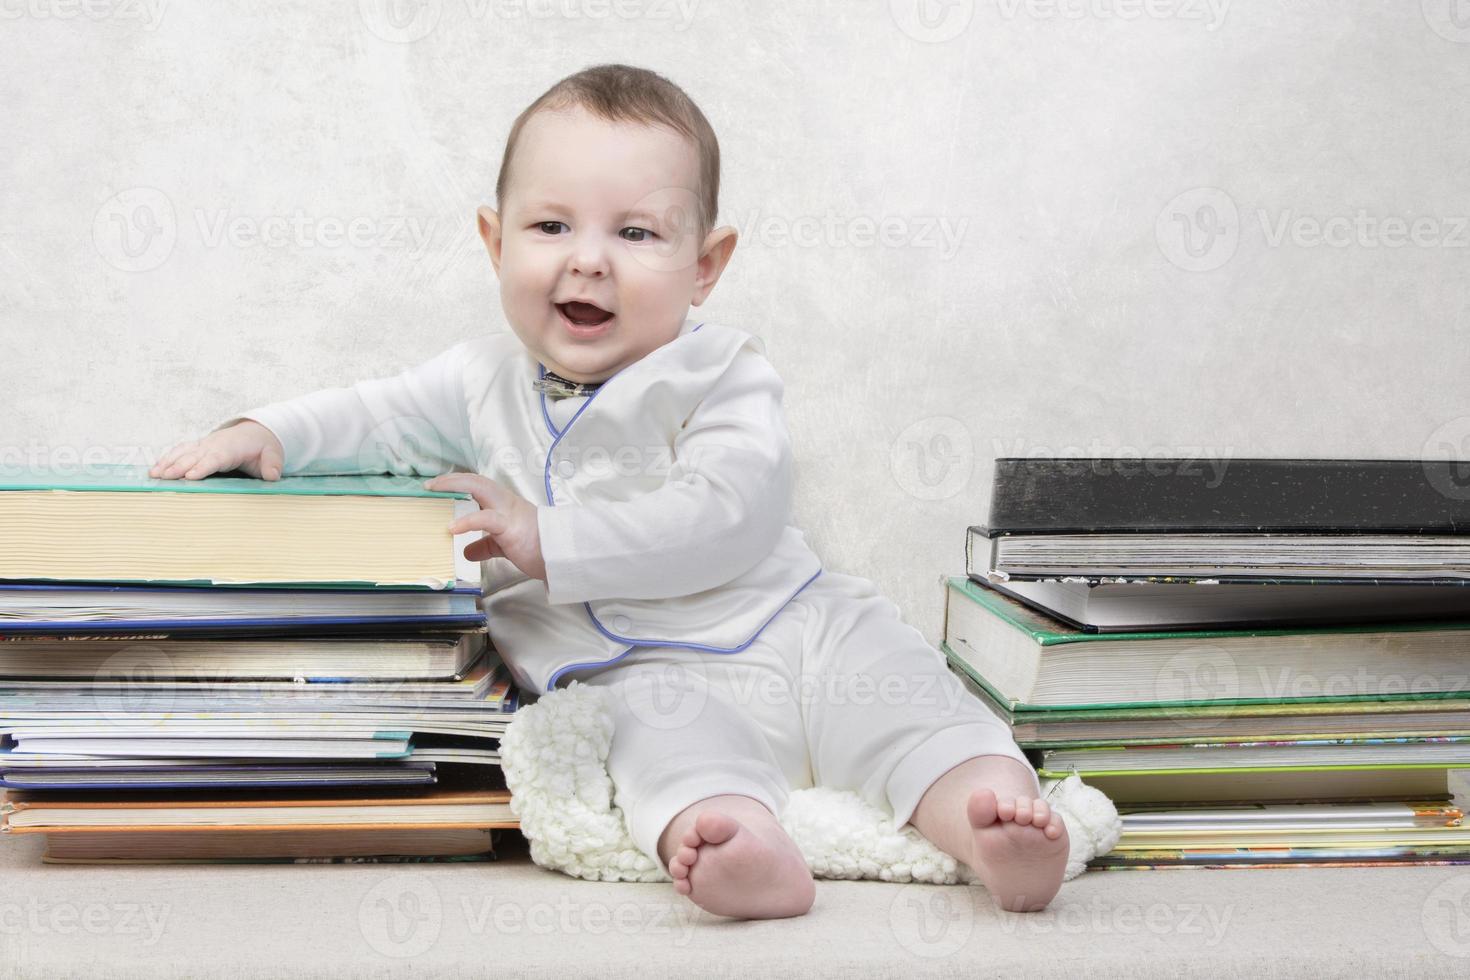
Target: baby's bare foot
742, 869
1020, 849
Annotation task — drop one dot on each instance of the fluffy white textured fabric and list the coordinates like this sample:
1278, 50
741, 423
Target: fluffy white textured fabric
554, 755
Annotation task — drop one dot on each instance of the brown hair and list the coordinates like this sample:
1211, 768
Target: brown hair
622, 93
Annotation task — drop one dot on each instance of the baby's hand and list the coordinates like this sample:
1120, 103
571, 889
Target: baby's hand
508, 520
246, 445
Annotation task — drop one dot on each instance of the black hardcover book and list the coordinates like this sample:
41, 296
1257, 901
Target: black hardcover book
1302, 496
1093, 529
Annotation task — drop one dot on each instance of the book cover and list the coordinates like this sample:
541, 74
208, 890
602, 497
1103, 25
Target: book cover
1321, 496
115, 524
1004, 651
118, 478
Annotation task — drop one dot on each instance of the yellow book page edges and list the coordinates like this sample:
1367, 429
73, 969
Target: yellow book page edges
226, 539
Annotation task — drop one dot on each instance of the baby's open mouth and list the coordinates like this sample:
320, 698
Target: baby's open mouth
584, 314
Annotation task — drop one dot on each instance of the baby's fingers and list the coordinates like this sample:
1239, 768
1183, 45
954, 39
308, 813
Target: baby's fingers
483, 550
483, 520
168, 458
176, 469
209, 462
270, 464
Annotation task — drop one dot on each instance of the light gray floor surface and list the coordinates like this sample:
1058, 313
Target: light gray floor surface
511, 918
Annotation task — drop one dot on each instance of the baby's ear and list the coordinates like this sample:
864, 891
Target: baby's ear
714, 254
489, 222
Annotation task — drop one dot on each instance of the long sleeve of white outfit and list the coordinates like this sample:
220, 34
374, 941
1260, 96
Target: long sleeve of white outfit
412, 424
724, 506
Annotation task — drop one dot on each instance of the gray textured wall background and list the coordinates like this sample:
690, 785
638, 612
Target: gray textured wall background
970, 228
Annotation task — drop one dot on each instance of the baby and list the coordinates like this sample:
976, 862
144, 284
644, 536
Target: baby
633, 470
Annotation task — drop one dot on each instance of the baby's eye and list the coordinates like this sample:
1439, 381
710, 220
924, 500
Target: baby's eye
549, 227
643, 232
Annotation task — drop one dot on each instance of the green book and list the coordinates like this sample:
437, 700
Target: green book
116, 524
1029, 662
1165, 725
1439, 752
1262, 785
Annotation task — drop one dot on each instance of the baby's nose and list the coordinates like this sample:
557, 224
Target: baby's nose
589, 259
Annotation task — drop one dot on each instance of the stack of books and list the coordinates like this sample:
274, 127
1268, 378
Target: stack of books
1263, 662
233, 669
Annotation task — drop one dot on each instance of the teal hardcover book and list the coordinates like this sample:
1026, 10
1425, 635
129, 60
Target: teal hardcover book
116, 524
119, 478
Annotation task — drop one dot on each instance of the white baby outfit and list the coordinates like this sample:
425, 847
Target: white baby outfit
674, 577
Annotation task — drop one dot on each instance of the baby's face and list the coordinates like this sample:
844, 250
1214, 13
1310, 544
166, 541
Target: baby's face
597, 245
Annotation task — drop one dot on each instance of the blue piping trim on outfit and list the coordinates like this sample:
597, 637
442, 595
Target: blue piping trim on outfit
700, 646
557, 434
546, 468
551, 684
546, 481
541, 373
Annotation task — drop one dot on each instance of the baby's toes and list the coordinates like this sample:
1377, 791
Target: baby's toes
1005, 809
679, 871
981, 808
686, 856
1054, 826
1040, 813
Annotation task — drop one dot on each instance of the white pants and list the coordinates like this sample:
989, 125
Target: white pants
836, 691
